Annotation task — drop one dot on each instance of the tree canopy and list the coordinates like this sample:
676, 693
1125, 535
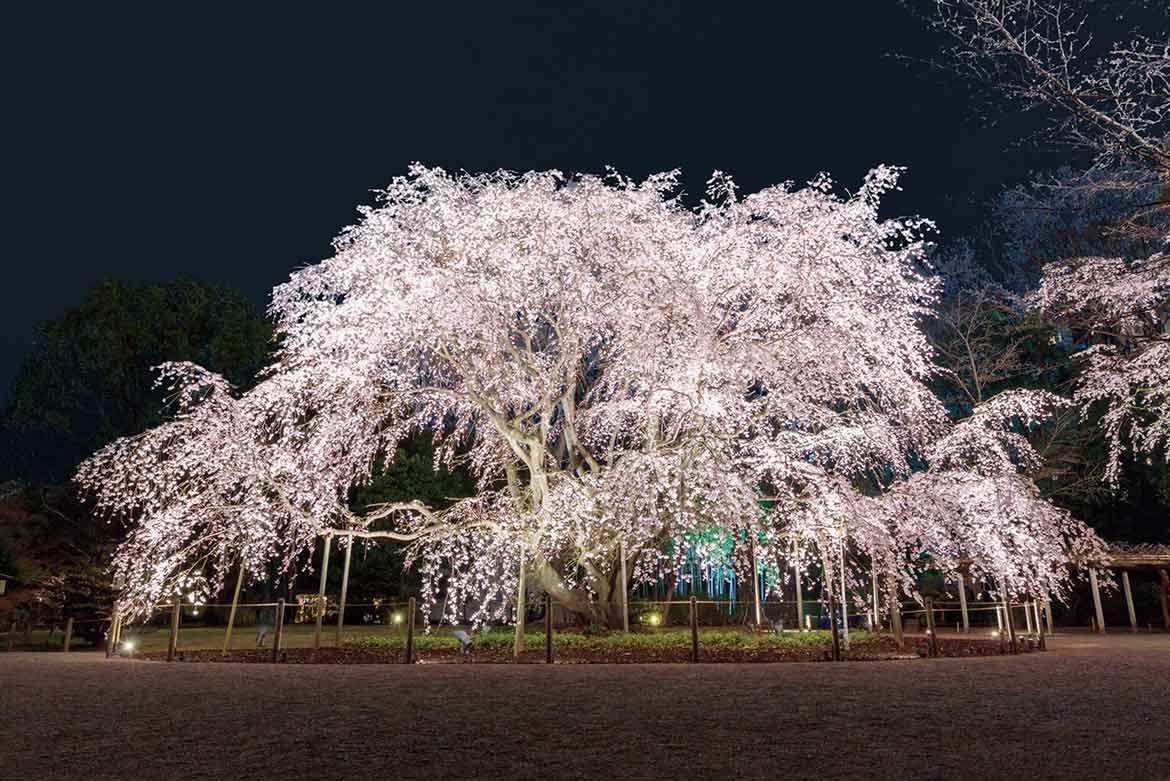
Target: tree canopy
617, 371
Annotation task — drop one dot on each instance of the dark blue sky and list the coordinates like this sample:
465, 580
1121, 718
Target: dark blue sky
168, 142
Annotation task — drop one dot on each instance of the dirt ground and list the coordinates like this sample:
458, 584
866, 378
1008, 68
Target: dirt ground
1089, 708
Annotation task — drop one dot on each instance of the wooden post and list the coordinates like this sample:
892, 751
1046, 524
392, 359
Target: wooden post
963, 602
1165, 594
876, 623
320, 608
1096, 588
1027, 618
833, 626
521, 607
176, 619
227, 637
1129, 601
896, 614
547, 629
930, 631
799, 600
1048, 616
68, 634
625, 589
1040, 629
410, 631
278, 630
844, 602
344, 593
694, 630
755, 577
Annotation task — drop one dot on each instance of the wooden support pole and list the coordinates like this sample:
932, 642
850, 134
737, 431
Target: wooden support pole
844, 603
344, 593
521, 608
176, 619
755, 578
1040, 628
931, 634
410, 610
114, 634
1096, 589
1048, 616
876, 623
320, 607
1129, 601
548, 659
896, 614
1165, 595
625, 590
68, 634
799, 599
694, 629
833, 626
278, 630
1011, 624
1027, 618
963, 602
110, 633
227, 635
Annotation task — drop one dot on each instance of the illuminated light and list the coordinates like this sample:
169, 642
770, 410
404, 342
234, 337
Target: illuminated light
653, 619
128, 646
995, 634
396, 618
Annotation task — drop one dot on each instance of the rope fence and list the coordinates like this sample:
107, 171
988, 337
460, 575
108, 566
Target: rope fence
272, 621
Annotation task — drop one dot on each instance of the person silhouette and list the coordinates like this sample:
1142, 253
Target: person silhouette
267, 617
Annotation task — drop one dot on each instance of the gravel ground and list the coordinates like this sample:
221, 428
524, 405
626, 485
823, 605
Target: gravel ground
1090, 708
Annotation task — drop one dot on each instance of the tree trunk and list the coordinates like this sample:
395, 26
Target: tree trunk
606, 610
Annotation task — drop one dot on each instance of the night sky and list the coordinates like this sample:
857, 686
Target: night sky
167, 142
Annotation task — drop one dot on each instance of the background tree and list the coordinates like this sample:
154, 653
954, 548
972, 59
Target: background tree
1100, 74
88, 377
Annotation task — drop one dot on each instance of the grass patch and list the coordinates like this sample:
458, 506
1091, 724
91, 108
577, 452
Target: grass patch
681, 637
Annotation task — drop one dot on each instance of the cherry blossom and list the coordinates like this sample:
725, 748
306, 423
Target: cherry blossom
618, 371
